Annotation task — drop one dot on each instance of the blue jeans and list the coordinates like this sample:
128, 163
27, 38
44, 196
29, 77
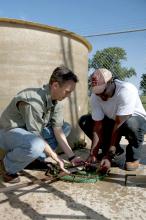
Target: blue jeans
22, 147
49, 137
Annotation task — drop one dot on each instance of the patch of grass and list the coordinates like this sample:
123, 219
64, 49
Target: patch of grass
143, 99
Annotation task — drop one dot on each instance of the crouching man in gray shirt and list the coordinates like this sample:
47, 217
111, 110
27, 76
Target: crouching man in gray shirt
32, 125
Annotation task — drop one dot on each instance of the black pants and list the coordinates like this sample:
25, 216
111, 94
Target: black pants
133, 129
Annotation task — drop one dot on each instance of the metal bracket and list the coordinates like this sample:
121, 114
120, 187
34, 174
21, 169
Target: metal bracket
126, 177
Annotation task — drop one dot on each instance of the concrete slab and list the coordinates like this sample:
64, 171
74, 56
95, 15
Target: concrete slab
107, 199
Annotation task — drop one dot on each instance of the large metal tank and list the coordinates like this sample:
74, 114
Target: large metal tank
29, 52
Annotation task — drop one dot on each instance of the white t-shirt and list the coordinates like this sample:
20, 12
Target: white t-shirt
125, 101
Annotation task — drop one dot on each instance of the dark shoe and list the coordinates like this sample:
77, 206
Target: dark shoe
130, 166
2, 154
8, 178
11, 178
2, 168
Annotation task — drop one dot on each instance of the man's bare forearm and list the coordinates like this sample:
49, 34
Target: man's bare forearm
51, 153
95, 144
63, 143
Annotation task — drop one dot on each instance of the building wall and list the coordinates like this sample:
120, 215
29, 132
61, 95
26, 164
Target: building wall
30, 52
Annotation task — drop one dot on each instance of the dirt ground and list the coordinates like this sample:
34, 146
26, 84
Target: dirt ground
106, 199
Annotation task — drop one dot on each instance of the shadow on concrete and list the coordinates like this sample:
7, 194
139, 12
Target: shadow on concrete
29, 211
136, 180
115, 178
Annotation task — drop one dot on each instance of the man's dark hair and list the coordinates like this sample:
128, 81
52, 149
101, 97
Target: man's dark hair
61, 75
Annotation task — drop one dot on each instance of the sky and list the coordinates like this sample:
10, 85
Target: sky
89, 17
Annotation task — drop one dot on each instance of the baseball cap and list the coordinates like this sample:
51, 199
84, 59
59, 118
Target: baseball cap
99, 79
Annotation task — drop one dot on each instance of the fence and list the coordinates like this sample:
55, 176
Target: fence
124, 54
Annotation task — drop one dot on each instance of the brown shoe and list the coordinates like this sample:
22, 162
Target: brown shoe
7, 177
2, 168
11, 178
132, 165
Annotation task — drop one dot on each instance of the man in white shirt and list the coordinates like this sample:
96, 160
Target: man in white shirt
116, 111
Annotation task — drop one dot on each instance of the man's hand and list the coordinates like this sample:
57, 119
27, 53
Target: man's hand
61, 164
105, 165
112, 150
91, 159
77, 161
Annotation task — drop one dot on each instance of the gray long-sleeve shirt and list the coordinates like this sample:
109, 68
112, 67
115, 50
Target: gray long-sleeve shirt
38, 112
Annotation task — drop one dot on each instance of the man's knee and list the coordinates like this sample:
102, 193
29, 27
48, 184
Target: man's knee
81, 120
84, 119
36, 146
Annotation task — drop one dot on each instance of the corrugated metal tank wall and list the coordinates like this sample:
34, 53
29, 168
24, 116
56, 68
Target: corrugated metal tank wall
29, 52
